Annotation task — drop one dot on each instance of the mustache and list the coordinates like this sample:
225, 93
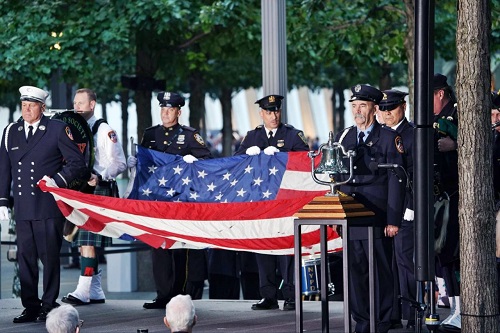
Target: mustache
359, 116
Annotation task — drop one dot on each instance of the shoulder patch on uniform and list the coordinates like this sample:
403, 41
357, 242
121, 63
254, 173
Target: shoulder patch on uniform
199, 139
68, 133
188, 128
399, 144
112, 136
303, 137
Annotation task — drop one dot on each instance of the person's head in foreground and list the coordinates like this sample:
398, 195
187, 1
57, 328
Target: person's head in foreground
179, 314
64, 319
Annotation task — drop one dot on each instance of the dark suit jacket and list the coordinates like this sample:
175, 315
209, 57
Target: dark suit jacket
380, 190
287, 138
405, 129
50, 152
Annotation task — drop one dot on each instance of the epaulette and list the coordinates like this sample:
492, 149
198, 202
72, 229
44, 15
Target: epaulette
184, 127
259, 127
152, 128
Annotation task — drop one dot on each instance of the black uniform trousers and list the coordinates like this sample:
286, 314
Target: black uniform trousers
39, 239
179, 271
168, 272
269, 285
359, 280
404, 252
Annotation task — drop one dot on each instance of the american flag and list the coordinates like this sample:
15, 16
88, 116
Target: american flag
243, 203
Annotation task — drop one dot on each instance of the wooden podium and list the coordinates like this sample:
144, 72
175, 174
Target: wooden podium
326, 211
333, 207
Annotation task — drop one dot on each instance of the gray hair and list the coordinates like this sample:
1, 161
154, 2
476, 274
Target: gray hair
64, 319
180, 313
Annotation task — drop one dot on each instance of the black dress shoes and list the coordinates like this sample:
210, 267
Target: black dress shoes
27, 316
42, 315
266, 304
157, 303
289, 305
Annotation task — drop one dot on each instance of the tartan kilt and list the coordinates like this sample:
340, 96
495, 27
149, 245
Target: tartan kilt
84, 237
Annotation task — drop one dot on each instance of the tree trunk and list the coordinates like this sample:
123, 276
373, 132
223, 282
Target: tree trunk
409, 44
479, 305
338, 113
227, 124
385, 76
146, 67
104, 103
124, 95
196, 101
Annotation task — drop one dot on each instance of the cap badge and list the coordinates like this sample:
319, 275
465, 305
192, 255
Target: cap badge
272, 99
385, 97
357, 88
166, 96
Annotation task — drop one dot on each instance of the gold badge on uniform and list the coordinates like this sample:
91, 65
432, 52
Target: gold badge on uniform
280, 143
303, 137
399, 144
271, 99
68, 133
199, 139
385, 97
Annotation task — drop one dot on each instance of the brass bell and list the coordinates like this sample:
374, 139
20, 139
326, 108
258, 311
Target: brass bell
331, 161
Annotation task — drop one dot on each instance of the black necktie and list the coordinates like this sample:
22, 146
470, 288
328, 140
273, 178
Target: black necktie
30, 133
361, 135
270, 135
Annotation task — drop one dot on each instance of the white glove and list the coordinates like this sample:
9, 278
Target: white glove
271, 150
131, 161
254, 150
50, 181
189, 158
4, 213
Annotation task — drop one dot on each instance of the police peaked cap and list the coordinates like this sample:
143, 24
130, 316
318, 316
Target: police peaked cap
170, 99
365, 92
439, 81
33, 94
495, 99
391, 99
270, 102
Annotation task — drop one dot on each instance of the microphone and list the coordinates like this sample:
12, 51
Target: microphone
495, 125
375, 166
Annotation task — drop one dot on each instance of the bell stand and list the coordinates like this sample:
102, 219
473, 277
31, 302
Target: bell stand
325, 211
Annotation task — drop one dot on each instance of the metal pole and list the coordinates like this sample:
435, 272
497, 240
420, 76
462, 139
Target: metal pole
274, 57
424, 159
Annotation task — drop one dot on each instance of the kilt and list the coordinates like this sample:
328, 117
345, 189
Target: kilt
84, 237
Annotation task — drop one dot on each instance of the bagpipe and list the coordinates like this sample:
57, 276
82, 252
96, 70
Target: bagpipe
82, 135
446, 127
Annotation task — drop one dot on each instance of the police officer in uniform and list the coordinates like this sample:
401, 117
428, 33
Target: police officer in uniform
446, 194
175, 271
381, 191
109, 163
272, 137
32, 149
392, 109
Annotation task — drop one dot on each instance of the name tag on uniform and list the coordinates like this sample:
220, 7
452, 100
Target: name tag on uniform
14, 148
